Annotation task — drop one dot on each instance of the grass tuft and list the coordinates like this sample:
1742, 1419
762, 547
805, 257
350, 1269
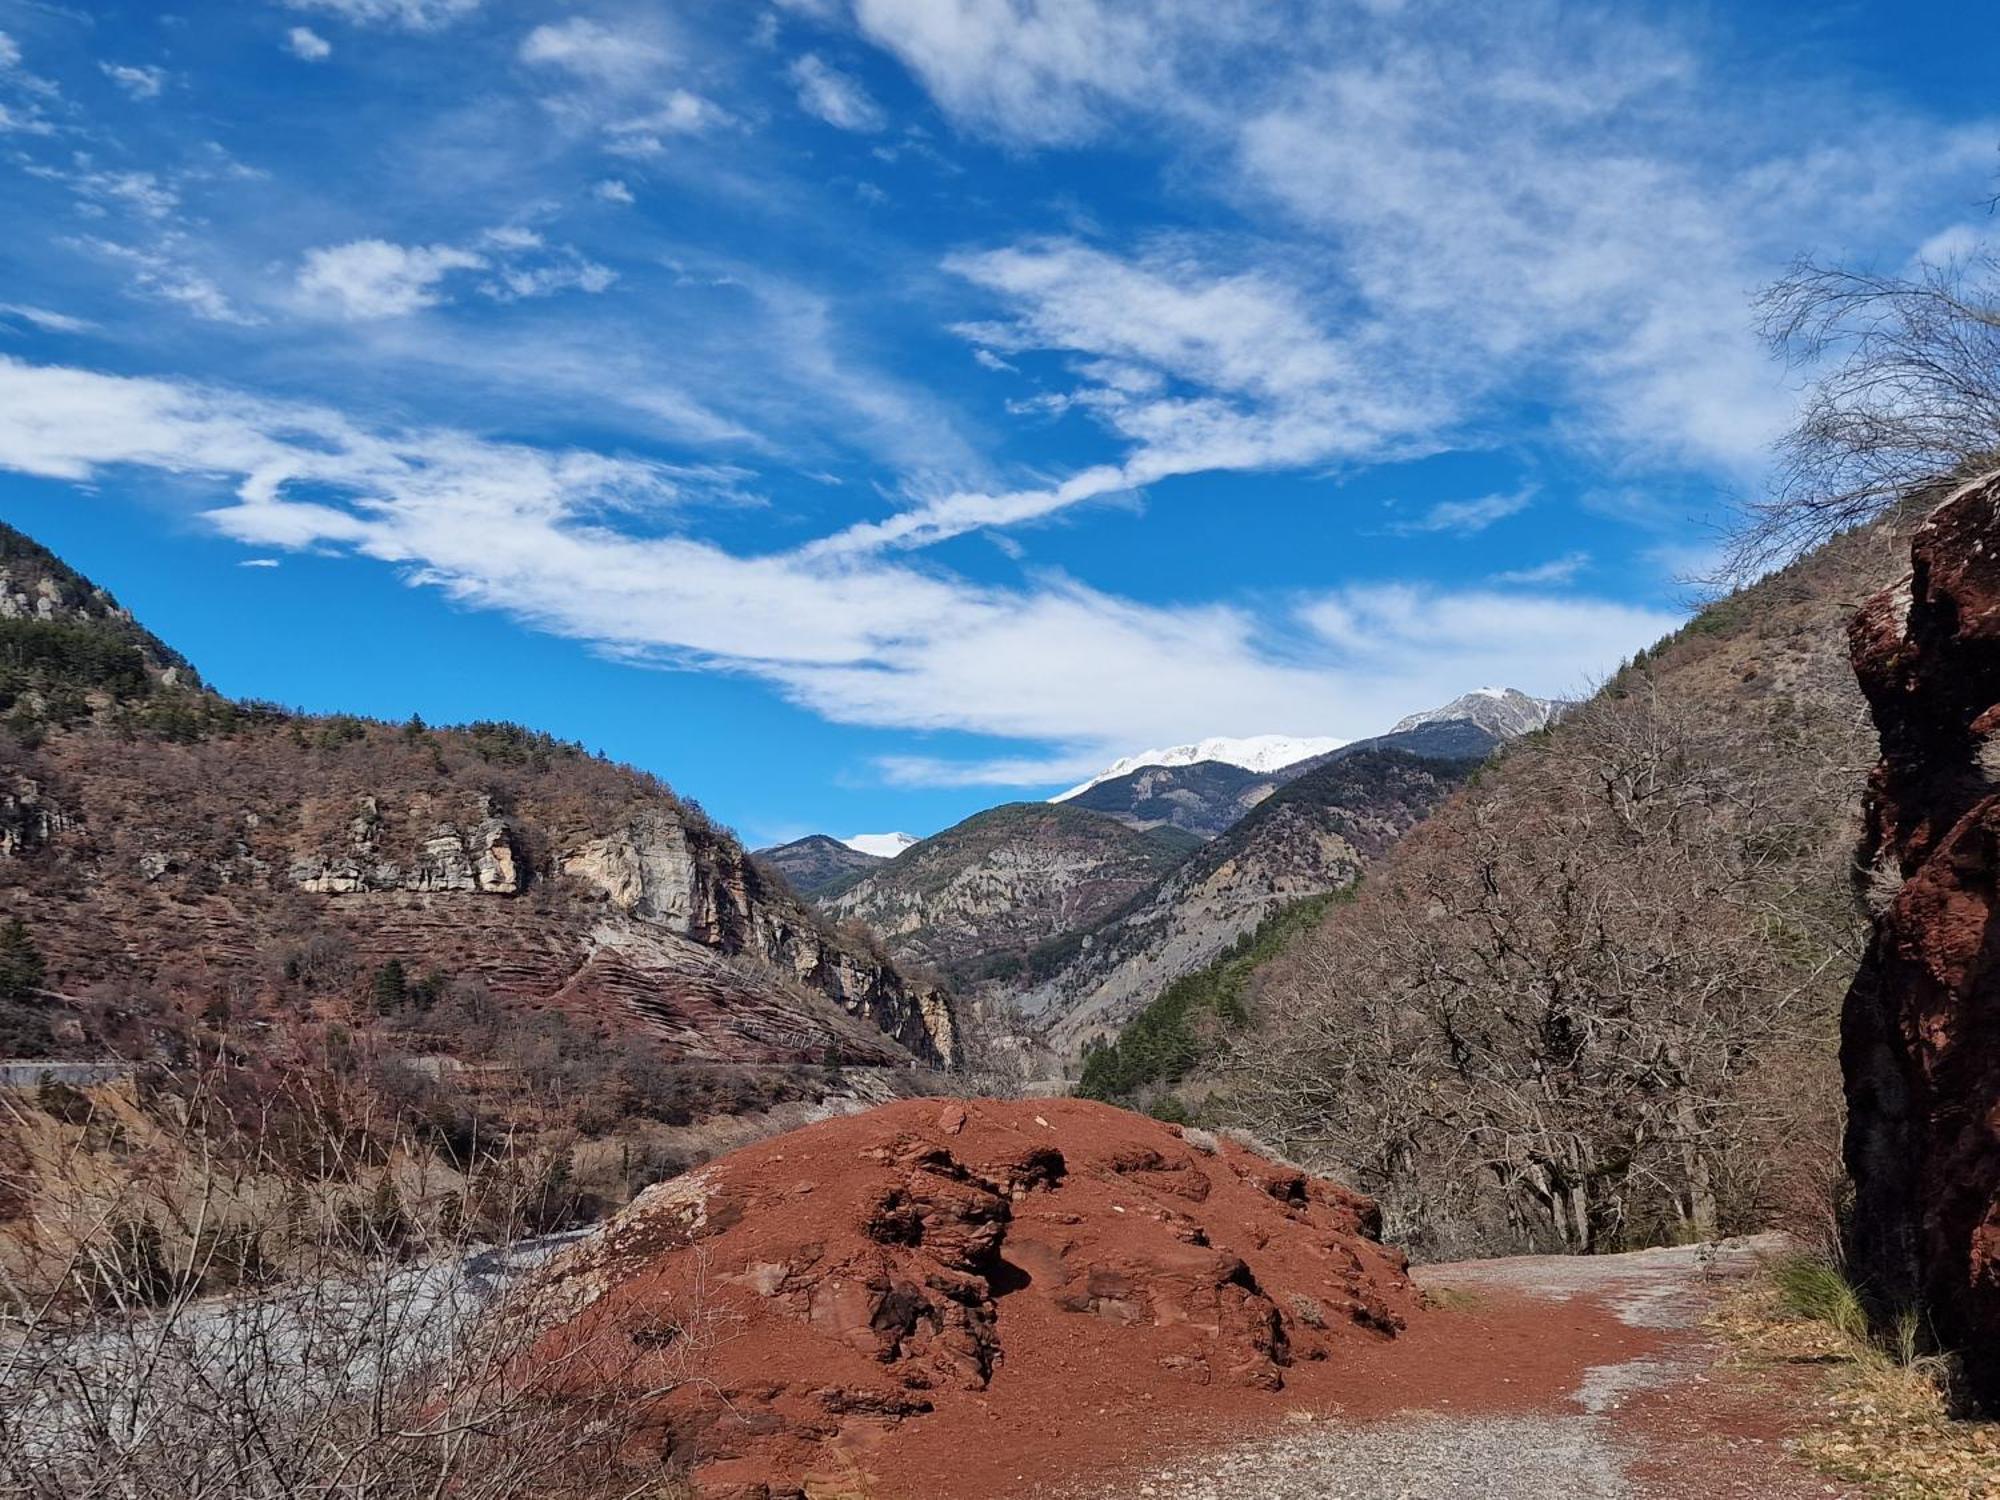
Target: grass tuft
1882, 1417
1814, 1289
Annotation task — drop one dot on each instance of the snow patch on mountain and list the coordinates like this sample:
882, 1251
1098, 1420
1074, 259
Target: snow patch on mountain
1257, 752
1506, 712
881, 845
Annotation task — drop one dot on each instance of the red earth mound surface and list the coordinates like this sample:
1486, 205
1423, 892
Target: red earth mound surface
936, 1282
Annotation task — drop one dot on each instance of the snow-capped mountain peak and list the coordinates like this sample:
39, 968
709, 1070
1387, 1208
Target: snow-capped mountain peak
1257, 752
881, 845
1505, 712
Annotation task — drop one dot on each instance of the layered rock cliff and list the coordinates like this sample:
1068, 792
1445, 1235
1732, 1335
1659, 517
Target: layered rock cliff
1921, 1031
163, 843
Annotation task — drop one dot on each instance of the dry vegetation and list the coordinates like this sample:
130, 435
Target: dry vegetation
1594, 1002
1881, 1413
300, 1303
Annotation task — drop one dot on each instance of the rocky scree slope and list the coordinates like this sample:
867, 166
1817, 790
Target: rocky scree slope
818, 867
1315, 834
935, 1279
162, 841
1920, 1042
970, 901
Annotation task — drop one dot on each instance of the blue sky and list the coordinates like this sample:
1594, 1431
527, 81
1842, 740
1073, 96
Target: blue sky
863, 411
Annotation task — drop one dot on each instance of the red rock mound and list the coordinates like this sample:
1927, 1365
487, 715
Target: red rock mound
929, 1274
1920, 1042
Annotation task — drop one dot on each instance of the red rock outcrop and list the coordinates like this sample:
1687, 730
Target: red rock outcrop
886, 1279
1921, 1033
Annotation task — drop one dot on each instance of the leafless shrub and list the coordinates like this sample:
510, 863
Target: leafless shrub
1200, 1140
241, 1328
999, 1051
1596, 1010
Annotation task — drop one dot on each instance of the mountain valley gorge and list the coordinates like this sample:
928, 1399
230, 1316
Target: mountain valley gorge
530, 990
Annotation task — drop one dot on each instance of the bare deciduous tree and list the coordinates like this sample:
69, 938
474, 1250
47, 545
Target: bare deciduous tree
1594, 1009
1906, 392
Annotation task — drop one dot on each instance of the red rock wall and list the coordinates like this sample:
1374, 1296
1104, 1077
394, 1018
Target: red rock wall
1921, 1032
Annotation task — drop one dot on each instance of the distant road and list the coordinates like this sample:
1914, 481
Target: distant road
29, 1074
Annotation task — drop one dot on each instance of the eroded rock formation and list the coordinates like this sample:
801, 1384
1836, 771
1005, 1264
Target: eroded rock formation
916, 1268
1921, 1033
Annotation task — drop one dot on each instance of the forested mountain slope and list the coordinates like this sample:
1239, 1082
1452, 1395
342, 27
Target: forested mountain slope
818, 867
1313, 835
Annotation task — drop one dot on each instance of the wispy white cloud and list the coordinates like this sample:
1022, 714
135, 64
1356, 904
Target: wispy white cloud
307, 45
376, 279
1477, 232
43, 318
1035, 71
12, 123
537, 534
1556, 570
410, 15
622, 82
1467, 517
611, 190
1194, 369
833, 96
143, 194
160, 272
141, 81
679, 112
364, 280
619, 58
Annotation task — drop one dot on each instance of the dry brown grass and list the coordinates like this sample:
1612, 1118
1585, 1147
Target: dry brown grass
1874, 1419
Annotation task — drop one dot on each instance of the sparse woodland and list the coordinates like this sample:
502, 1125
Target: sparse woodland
1594, 1002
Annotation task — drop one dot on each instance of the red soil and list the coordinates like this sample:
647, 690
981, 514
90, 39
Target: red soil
947, 1299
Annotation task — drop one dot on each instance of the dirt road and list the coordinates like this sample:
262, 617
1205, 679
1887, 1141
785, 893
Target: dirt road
1539, 1377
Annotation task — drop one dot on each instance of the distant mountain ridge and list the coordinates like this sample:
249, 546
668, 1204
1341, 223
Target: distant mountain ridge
1507, 712
817, 866
977, 896
1260, 752
1207, 797
1312, 835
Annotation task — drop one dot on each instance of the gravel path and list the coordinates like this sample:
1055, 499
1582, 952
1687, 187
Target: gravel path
1655, 1426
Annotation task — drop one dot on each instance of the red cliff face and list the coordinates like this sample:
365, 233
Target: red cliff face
1921, 1033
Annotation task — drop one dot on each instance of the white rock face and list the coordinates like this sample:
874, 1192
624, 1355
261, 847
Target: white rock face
646, 870
1257, 752
447, 859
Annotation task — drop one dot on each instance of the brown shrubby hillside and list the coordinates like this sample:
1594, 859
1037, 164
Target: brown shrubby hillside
486, 945
1594, 1001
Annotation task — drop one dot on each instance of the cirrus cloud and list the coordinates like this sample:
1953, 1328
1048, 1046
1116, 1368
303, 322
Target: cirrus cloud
540, 534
